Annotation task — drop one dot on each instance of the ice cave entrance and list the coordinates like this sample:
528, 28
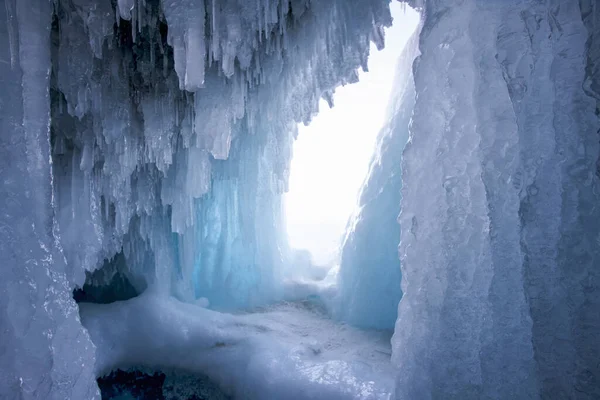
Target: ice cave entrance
332, 154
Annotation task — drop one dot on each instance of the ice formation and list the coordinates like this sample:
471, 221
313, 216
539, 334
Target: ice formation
369, 256
44, 351
500, 241
151, 140
172, 132
148, 142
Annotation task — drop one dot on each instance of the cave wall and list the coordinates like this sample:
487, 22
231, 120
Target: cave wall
42, 342
499, 224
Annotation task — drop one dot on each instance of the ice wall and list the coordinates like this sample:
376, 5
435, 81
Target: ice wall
499, 226
240, 248
369, 276
44, 351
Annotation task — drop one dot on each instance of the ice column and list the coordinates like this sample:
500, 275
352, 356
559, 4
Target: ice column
46, 353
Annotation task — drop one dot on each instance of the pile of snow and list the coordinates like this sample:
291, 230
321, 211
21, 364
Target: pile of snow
284, 352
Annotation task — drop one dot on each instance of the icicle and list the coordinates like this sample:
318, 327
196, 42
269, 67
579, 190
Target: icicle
134, 23
215, 32
13, 35
260, 21
154, 145
125, 8
266, 27
140, 7
196, 50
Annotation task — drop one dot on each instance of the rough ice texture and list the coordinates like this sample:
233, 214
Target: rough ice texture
369, 276
151, 139
172, 133
44, 351
500, 241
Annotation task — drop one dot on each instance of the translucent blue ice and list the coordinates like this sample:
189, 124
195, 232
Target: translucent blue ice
369, 276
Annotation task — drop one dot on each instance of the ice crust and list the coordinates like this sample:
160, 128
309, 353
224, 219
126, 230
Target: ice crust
500, 238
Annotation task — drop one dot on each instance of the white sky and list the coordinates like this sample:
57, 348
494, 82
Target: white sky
331, 155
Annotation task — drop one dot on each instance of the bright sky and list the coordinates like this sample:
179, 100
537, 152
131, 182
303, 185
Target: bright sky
331, 155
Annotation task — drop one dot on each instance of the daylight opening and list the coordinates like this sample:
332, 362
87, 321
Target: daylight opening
332, 155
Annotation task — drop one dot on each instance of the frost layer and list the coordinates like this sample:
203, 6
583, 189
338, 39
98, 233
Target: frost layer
500, 235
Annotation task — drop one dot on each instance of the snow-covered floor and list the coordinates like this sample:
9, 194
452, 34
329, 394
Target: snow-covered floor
288, 351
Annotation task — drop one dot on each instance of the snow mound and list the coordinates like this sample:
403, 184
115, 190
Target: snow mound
284, 352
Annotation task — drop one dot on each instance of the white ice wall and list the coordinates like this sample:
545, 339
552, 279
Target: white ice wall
44, 351
144, 115
500, 246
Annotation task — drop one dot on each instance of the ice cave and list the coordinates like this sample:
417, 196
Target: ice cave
156, 243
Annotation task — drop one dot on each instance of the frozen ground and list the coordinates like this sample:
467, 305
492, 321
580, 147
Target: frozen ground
287, 351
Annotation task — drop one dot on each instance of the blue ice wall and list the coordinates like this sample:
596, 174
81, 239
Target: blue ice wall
369, 275
240, 246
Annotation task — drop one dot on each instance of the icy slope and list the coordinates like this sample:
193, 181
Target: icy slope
500, 237
284, 352
369, 276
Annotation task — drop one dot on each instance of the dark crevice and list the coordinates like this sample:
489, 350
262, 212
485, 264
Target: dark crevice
107, 284
158, 385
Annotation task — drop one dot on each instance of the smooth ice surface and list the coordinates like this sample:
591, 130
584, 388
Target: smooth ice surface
499, 223
369, 272
332, 155
287, 351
